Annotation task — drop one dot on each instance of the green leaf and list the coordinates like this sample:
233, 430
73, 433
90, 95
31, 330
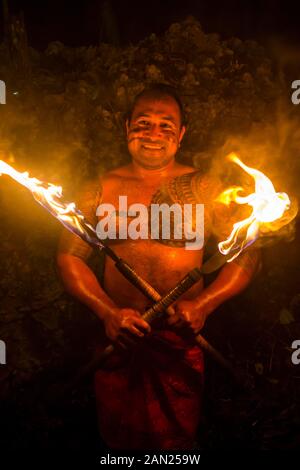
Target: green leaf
286, 317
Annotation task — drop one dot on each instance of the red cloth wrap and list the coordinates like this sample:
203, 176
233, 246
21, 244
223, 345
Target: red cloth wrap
152, 398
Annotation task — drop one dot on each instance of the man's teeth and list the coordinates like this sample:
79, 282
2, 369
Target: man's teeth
152, 146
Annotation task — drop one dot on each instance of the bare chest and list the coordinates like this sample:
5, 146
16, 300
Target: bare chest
134, 192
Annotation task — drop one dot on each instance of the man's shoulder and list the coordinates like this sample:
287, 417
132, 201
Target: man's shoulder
189, 187
90, 185
183, 169
119, 172
100, 181
197, 176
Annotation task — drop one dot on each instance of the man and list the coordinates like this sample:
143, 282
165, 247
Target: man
150, 398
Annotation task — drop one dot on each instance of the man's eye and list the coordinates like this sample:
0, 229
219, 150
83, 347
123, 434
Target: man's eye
165, 125
144, 123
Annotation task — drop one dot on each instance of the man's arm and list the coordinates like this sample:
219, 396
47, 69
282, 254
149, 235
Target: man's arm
121, 324
80, 281
73, 253
232, 279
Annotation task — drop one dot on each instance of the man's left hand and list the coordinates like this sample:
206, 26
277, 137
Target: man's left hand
189, 314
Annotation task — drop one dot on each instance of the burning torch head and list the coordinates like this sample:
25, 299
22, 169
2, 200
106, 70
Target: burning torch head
269, 218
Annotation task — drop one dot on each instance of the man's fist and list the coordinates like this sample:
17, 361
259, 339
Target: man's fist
125, 325
188, 314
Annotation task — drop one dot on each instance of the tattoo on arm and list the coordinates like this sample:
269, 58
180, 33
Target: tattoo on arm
249, 261
88, 201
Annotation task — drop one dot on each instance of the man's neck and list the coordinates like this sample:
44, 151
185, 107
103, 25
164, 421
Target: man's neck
153, 173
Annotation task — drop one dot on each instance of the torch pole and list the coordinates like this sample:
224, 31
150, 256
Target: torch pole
162, 305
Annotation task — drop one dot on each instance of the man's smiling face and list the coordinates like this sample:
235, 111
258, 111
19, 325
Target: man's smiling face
154, 131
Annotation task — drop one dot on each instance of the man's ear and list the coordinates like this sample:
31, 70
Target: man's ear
182, 132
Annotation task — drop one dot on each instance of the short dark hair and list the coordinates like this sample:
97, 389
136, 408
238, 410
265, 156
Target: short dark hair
157, 91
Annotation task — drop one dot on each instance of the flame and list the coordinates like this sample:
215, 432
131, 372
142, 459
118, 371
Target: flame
49, 196
267, 205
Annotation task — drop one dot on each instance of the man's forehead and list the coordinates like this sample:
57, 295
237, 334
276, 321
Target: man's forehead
165, 106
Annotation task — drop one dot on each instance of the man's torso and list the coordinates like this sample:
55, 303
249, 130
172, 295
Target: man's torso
161, 265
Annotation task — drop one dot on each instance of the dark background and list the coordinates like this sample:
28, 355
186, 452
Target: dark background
80, 23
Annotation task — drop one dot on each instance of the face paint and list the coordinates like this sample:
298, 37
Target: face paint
154, 132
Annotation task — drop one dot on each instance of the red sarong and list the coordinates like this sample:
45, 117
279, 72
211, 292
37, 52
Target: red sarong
153, 400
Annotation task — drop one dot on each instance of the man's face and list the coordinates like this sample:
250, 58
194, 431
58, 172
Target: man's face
154, 132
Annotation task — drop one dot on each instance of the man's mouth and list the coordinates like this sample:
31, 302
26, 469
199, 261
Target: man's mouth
152, 146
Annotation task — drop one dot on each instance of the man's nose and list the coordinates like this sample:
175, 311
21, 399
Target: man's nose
154, 130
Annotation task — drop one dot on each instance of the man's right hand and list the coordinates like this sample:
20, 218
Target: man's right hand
125, 326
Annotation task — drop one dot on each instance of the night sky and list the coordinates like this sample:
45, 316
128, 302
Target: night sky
79, 23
